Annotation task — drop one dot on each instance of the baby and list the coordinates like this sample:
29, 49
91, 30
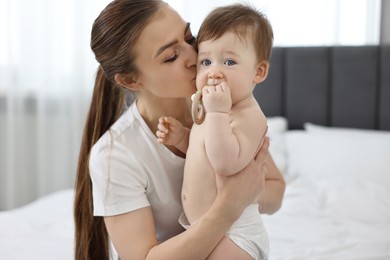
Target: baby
234, 47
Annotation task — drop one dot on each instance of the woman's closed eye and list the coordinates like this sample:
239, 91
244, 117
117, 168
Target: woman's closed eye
191, 41
172, 58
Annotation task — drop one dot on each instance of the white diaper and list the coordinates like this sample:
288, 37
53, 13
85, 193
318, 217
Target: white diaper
248, 232
183, 221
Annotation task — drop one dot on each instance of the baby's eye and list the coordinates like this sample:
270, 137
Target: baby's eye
230, 62
205, 62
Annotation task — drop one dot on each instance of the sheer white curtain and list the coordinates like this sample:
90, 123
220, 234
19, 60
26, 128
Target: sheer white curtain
46, 77
47, 72
304, 22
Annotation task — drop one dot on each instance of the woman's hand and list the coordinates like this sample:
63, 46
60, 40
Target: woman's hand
242, 189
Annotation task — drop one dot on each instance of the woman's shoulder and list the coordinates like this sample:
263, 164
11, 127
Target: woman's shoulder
115, 136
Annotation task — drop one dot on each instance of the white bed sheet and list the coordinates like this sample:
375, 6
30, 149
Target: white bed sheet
331, 219
40, 230
336, 204
319, 219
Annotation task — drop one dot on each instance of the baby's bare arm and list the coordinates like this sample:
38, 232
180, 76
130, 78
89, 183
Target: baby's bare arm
171, 132
231, 138
231, 145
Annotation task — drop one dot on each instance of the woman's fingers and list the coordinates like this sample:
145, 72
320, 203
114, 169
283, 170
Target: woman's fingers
263, 152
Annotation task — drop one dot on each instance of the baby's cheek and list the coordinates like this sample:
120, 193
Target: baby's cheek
200, 80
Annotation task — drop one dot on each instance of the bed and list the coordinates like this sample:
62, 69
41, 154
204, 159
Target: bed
329, 124
332, 142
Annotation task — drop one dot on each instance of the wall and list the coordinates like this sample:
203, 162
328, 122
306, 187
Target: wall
385, 22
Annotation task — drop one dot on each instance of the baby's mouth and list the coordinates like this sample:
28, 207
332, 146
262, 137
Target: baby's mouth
213, 82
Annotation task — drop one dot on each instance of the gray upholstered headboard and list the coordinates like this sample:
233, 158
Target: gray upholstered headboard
345, 86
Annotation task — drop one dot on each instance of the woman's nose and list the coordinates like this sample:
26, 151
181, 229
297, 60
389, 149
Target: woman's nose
191, 57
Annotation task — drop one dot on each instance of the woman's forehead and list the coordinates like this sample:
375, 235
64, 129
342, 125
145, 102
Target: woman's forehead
165, 27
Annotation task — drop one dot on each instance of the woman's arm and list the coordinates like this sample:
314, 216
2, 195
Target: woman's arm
133, 233
271, 197
133, 236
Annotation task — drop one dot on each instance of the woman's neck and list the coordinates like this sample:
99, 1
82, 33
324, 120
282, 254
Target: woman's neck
152, 110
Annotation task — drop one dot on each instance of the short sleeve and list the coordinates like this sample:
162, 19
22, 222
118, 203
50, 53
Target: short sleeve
118, 180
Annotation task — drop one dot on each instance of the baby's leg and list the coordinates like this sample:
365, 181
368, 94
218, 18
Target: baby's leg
228, 250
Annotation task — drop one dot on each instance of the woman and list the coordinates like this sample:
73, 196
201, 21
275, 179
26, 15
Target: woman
128, 186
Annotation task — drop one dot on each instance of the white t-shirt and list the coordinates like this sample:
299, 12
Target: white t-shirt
130, 170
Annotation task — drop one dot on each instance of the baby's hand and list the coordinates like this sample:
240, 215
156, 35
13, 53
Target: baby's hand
169, 131
217, 98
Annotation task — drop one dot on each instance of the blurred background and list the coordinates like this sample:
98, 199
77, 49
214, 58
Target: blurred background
47, 71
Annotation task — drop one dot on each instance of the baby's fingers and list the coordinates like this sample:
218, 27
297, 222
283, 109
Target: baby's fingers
160, 136
162, 127
223, 87
171, 121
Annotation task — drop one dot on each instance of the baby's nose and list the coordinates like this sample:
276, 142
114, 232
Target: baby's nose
215, 75
215, 78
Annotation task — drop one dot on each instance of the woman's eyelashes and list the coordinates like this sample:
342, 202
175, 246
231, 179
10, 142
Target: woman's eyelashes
191, 41
172, 58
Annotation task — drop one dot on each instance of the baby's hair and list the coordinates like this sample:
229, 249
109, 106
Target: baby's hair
242, 19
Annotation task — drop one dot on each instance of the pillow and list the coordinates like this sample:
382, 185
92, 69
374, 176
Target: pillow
325, 152
277, 127
310, 127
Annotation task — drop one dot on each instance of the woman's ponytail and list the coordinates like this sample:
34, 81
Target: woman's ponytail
113, 37
90, 233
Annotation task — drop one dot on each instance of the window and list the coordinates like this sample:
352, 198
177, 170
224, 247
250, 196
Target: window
304, 22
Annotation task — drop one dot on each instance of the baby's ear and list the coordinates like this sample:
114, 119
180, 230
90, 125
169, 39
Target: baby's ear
127, 81
261, 71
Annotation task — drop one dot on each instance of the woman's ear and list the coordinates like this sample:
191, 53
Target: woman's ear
127, 81
261, 72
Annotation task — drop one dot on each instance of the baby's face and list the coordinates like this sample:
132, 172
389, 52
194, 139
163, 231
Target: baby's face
229, 59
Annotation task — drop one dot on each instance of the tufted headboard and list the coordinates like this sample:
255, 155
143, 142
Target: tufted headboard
344, 86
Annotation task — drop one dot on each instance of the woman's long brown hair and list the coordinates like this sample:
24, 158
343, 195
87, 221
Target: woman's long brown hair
113, 36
